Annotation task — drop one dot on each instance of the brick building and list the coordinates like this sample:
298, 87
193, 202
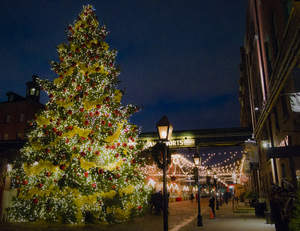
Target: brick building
14, 116
270, 93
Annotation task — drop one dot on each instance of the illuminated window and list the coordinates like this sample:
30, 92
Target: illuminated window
32, 91
284, 142
20, 135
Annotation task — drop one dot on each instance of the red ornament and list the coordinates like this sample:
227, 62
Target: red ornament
102, 122
97, 113
51, 96
35, 200
124, 145
40, 185
131, 147
139, 207
94, 185
62, 167
82, 154
100, 171
117, 175
86, 174
109, 124
25, 182
67, 140
81, 109
70, 112
97, 153
98, 106
113, 187
54, 129
117, 155
86, 123
91, 114
48, 173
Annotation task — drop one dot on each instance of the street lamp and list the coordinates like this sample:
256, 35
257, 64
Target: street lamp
197, 161
164, 130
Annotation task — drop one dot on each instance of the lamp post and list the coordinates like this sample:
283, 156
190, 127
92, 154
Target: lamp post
217, 191
164, 130
197, 161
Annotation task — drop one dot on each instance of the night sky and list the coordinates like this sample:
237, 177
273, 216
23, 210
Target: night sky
177, 58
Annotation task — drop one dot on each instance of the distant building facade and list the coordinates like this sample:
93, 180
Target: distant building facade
270, 93
14, 116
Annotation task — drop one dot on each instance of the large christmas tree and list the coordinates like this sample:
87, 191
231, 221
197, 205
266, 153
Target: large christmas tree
79, 164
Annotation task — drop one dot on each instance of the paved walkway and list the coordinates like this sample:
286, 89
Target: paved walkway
182, 217
242, 219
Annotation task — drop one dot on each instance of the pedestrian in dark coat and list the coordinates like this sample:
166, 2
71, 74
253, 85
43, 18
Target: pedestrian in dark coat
212, 205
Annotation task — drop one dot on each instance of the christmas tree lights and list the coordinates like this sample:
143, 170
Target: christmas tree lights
80, 162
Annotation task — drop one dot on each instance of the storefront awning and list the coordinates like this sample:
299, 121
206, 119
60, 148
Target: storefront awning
283, 152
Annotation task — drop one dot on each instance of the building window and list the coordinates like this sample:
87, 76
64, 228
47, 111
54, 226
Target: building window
22, 116
284, 142
32, 91
5, 136
19, 135
7, 118
283, 170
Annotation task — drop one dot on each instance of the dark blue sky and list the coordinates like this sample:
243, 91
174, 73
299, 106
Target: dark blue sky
178, 58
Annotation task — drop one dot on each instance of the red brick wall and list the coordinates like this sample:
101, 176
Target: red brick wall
15, 125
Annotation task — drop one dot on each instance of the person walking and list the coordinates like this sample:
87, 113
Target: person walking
212, 205
192, 197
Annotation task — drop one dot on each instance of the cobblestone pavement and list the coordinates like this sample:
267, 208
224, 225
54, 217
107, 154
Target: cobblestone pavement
182, 217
